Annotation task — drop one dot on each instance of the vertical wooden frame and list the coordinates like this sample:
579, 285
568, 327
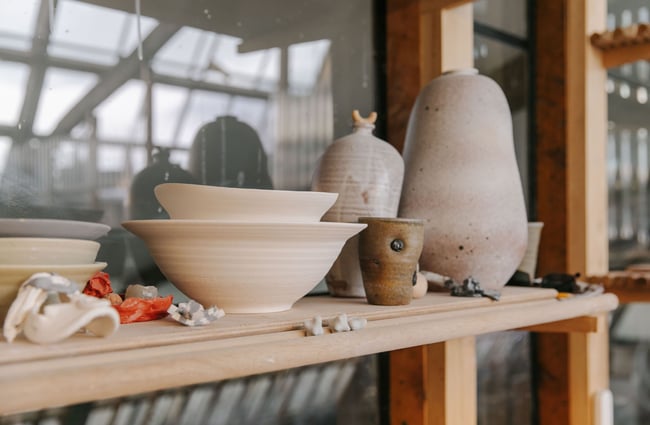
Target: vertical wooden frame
571, 109
433, 384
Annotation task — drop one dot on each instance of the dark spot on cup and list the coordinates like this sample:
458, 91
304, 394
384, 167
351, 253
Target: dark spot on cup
397, 245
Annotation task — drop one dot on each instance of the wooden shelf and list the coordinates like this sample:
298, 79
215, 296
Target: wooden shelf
623, 45
151, 356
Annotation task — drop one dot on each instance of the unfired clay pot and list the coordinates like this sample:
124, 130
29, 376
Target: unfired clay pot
462, 178
367, 173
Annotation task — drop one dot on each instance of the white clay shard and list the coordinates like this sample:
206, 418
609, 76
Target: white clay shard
141, 291
340, 323
32, 294
44, 323
314, 327
357, 323
193, 313
59, 321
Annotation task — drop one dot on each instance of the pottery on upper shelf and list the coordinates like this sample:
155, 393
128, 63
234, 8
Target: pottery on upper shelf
367, 174
462, 178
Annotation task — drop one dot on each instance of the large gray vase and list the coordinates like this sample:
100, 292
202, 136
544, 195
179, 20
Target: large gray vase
461, 176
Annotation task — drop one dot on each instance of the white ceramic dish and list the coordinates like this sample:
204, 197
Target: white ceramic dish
12, 276
24, 251
51, 228
244, 267
200, 202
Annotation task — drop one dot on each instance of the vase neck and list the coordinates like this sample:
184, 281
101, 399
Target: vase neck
363, 128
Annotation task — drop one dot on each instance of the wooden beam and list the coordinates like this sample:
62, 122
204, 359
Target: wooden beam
434, 384
626, 54
571, 132
582, 324
447, 39
424, 38
402, 66
588, 373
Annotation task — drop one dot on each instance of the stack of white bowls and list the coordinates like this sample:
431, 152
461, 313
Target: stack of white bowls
29, 246
244, 250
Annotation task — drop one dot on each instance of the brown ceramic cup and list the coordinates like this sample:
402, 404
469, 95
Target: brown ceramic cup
389, 250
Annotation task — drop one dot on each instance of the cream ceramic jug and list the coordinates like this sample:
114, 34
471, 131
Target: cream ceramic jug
367, 173
461, 176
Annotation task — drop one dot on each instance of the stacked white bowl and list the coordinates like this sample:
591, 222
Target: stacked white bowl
29, 246
244, 250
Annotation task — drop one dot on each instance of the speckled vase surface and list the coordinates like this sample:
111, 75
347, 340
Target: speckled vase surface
461, 176
389, 249
367, 173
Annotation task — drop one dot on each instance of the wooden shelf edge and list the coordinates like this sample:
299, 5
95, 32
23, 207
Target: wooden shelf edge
50, 383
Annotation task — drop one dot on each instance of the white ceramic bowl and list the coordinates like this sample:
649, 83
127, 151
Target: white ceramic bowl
12, 276
51, 228
199, 202
25, 251
244, 267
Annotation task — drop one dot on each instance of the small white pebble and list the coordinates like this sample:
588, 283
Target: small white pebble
357, 323
314, 327
340, 323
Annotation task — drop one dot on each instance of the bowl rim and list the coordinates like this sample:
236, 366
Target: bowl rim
54, 266
44, 240
249, 190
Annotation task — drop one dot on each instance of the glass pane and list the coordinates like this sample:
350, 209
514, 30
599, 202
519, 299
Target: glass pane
288, 72
89, 33
5, 146
62, 89
508, 66
121, 116
622, 13
505, 15
17, 23
12, 87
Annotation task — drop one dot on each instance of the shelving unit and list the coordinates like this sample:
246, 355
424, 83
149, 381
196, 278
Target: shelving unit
163, 354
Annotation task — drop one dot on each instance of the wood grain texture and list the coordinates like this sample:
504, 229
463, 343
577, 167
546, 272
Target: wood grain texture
572, 192
551, 152
588, 373
423, 39
579, 324
452, 378
171, 360
402, 66
434, 384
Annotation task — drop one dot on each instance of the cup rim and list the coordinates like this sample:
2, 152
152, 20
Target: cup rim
390, 220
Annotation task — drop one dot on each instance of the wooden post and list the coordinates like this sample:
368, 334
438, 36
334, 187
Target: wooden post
424, 39
588, 372
571, 111
434, 384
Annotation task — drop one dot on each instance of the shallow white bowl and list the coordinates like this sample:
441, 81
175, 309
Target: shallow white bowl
51, 228
24, 251
200, 202
244, 267
12, 276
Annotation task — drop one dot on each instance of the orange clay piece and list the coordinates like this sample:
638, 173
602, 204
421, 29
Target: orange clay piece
113, 298
99, 285
142, 310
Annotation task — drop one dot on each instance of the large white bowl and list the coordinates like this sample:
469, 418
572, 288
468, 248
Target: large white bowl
200, 202
244, 267
24, 251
